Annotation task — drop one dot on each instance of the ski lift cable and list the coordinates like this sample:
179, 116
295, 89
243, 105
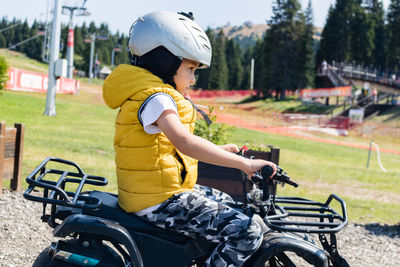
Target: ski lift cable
11, 26
13, 46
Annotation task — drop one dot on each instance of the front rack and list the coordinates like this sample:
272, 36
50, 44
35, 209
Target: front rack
54, 191
295, 214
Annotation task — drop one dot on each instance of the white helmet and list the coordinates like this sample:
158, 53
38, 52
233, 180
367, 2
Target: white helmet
177, 32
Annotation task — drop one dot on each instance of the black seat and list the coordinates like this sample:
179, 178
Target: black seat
112, 211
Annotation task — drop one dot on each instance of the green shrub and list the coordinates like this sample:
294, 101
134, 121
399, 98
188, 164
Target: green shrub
217, 133
3, 73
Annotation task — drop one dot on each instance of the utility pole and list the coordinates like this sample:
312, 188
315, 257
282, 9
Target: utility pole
91, 57
252, 74
70, 43
92, 40
55, 50
116, 49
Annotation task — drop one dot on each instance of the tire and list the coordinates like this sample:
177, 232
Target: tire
105, 254
279, 249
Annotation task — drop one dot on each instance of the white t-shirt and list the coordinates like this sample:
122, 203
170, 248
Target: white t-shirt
153, 110
148, 116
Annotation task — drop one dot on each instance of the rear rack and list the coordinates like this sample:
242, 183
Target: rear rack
55, 193
306, 216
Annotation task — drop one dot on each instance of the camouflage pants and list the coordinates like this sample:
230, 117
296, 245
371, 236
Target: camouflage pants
204, 213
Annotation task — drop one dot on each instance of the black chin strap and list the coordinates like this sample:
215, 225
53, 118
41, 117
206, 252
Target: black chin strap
206, 118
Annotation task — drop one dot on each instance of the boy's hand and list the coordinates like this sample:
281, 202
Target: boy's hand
230, 148
254, 165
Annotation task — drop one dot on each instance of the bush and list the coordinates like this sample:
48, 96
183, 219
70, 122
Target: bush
217, 133
3, 73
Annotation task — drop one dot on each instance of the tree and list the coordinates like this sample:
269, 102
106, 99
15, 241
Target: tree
235, 68
306, 57
281, 47
393, 46
362, 36
246, 60
218, 78
376, 14
203, 75
336, 36
3, 73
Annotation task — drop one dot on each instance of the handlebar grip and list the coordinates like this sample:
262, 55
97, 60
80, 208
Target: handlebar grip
267, 171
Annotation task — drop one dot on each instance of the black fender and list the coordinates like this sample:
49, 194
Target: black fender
275, 242
99, 227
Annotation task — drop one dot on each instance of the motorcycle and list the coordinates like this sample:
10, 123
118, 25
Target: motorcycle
94, 231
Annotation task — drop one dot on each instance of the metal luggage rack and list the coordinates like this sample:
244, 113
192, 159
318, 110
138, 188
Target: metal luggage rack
54, 192
295, 214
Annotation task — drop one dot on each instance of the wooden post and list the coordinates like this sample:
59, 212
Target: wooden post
2, 147
11, 149
19, 148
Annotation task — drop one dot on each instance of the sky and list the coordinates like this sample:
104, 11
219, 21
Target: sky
120, 14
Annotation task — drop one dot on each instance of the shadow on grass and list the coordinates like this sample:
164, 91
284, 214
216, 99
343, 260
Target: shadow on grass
391, 231
394, 114
314, 109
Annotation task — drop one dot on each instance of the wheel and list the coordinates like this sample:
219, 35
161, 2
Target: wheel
82, 250
280, 249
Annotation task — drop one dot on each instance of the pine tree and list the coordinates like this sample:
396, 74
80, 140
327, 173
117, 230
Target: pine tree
362, 36
393, 46
336, 36
376, 14
306, 67
246, 59
218, 78
281, 47
235, 68
203, 75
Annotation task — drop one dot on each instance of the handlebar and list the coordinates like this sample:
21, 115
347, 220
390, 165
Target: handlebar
280, 175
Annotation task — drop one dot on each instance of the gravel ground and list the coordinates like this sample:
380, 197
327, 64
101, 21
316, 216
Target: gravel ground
23, 236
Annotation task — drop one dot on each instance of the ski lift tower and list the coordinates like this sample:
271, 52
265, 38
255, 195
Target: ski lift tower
79, 11
54, 51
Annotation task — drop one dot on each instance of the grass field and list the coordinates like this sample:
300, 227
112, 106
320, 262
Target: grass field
83, 132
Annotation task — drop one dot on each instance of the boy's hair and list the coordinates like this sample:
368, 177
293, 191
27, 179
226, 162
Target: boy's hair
160, 62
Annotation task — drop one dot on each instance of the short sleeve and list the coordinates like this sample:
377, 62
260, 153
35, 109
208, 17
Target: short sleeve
153, 110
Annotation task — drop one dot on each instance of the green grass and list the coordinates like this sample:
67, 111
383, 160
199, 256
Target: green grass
321, 169
21, 61
79, 132
83, 133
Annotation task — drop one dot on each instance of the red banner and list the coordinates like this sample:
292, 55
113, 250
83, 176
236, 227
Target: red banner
326, 92
70, 41
23, 80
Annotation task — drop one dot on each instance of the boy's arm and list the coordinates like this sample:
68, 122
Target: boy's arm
202, 149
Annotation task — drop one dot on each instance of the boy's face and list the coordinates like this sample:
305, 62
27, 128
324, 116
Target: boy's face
184, 76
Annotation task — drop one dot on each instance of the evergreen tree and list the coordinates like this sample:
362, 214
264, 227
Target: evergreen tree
362, 36
336, 36
376, 14
306, 68
393, 46
2, 41
281, 45
259, 66
34, 47
218, 78
246, 59
235, 68
202, 80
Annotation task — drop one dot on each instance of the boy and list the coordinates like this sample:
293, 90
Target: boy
156, 152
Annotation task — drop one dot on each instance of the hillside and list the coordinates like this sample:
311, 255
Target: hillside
248, 33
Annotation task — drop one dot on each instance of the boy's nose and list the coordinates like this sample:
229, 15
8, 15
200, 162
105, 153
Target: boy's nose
192, 80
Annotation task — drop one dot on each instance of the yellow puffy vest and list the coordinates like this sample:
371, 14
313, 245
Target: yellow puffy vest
148, 165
